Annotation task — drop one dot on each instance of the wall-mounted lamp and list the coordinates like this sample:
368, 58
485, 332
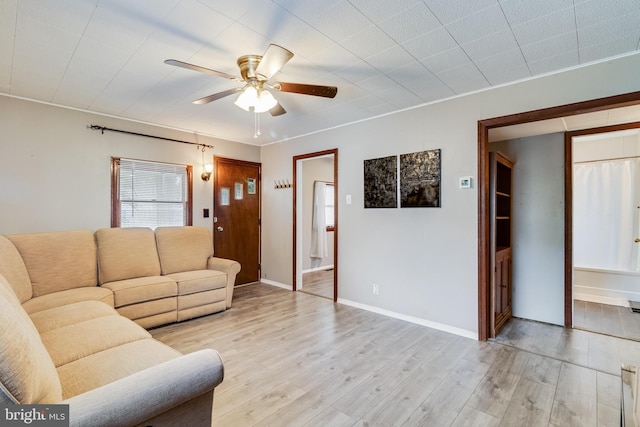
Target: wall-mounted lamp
206, 172
207, 169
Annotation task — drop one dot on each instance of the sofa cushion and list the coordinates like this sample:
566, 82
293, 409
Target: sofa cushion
126, 253
183, 248
65, 315
112, 364
82, 339
13, 269
150, 308
142, 289
198, 308
190, 282
157, 320
59, 260
69, 296
27, 373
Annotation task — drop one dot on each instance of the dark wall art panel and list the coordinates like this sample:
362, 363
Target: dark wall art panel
381, 182
420, 179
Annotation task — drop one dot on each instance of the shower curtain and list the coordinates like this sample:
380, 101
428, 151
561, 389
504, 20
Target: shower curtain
319, 246
605, 214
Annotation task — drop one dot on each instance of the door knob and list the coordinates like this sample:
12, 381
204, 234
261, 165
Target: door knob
636, 240
220, 228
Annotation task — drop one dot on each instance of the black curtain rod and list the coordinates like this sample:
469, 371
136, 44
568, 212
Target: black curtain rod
102, 129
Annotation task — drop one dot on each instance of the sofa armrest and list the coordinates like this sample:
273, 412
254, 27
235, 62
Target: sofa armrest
231, 268
148, 393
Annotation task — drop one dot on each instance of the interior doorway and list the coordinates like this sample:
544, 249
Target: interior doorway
606, 195
484, 292
315, 223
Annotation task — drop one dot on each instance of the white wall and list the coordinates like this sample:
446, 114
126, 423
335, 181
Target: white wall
537, 226
424, 260
55, 173
314, 169
614, 145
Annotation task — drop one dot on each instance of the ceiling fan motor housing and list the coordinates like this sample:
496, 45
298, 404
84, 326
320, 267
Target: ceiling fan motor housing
248, 65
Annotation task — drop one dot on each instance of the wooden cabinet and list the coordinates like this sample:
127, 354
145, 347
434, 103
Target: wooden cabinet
500, 188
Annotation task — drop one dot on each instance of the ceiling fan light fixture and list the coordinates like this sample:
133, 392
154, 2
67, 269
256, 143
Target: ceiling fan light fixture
265, 102
258, 101
247, 98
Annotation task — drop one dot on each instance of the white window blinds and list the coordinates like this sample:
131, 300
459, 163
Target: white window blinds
152, 194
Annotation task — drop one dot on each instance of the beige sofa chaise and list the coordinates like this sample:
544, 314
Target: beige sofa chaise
72, 308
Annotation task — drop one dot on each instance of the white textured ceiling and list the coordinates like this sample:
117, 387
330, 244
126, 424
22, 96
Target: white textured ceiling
106, 56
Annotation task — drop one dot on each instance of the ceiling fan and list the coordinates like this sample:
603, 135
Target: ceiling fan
255, 72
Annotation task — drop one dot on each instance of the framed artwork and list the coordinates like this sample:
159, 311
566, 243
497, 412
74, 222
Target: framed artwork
420, 179
381, 182
251, 186
239, 191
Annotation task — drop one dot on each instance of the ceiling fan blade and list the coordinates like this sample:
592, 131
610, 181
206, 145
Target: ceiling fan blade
277, 110
325, 91
210, 98
273, 60
188, 66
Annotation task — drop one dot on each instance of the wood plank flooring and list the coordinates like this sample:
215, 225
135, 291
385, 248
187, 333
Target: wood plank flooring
319, 283
293, 359
606, 319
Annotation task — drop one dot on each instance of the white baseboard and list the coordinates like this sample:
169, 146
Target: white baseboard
433, 325
600, 299
276, 284
324, 267
429, 324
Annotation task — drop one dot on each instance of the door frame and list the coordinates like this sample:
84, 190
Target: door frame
220, 159
484, 292
334, 152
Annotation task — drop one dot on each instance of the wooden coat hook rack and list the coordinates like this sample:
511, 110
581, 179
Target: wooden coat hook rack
281, 184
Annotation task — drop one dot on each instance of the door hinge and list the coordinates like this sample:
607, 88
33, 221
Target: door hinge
259, 221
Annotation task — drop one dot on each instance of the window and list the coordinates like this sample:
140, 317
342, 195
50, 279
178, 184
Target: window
328, 206
150, 194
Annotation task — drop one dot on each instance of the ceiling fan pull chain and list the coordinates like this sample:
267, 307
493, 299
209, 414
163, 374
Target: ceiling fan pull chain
256, 132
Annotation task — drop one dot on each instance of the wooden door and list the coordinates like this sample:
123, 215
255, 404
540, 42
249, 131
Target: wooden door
503, 289
236, 222
500, 170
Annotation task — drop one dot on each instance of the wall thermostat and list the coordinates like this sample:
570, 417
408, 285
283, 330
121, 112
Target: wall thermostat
466, 182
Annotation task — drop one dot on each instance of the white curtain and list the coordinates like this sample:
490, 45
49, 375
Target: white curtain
319, 246
605, 214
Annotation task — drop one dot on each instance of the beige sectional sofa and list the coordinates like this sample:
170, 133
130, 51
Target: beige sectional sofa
73, 307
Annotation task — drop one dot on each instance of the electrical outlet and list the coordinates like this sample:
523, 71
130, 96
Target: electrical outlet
376, 289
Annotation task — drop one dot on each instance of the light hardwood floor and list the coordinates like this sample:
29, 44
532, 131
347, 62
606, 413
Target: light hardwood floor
319, 283
606, 319
293, 359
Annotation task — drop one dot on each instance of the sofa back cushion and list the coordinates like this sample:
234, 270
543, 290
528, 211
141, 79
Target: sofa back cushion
27, 373
183, 248
58, 261
126, 253
13, 269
